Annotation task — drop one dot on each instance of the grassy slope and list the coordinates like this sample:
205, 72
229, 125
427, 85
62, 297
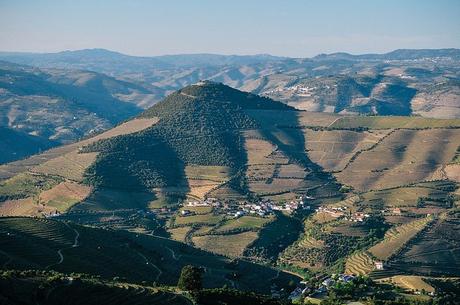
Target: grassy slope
55, 288
32, 243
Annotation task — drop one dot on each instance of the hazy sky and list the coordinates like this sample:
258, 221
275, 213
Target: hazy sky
282, 27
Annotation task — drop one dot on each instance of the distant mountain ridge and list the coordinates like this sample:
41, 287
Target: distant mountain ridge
102, 56
399, 54
210, 59
424, 70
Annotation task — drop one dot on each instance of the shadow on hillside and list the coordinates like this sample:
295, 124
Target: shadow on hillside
289, 139
133, 171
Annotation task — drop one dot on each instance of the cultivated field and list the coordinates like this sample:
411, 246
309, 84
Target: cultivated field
202, 179
27, 243
396, 238
232, 245
403, 196
387, 122
199, 219
179, 233
404, 157
436, 250
245, 222
64, 195
112, 199
69, 166
360, 263
410, 282
333, 149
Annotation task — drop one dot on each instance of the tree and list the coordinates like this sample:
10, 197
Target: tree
420, 202
190, 278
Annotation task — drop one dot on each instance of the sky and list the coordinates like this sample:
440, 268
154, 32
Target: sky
292, 28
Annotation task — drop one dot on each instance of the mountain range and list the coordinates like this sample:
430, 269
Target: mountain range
289, 79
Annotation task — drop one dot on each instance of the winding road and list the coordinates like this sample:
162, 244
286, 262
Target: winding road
74, 245
147, 262
173, 254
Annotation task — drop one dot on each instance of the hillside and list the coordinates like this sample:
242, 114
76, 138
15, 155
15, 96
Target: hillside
42, 244
207, 140
209, 113
235, 177
18, 145
35, 287
53, 107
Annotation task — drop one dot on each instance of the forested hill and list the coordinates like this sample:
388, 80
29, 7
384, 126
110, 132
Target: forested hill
198, 125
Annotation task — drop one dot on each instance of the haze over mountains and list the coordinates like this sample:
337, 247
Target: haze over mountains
92, 90
265, 74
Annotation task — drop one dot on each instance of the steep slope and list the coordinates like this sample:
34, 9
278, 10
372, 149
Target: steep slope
354, 94
44, 244
206, 140
199, 125
59, 106
17, 145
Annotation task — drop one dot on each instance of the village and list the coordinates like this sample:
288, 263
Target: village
343, 212
262, 208
305, 289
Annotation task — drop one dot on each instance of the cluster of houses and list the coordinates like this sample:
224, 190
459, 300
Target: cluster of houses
51, 214
342, 212
263, 208
304, 290
392, 211
300, 90
297, 89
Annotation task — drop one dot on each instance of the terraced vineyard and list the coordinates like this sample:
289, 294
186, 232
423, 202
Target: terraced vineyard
359, 264
334, 149
244, 223
408, 196
49, 244
436, 250
405, 157
232, 245
46, 237
397, 237
310, 242
387, 122
36, 288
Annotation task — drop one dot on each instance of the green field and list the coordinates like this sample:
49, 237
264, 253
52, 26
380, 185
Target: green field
245, 222
231, 245
198, 219
25, 185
